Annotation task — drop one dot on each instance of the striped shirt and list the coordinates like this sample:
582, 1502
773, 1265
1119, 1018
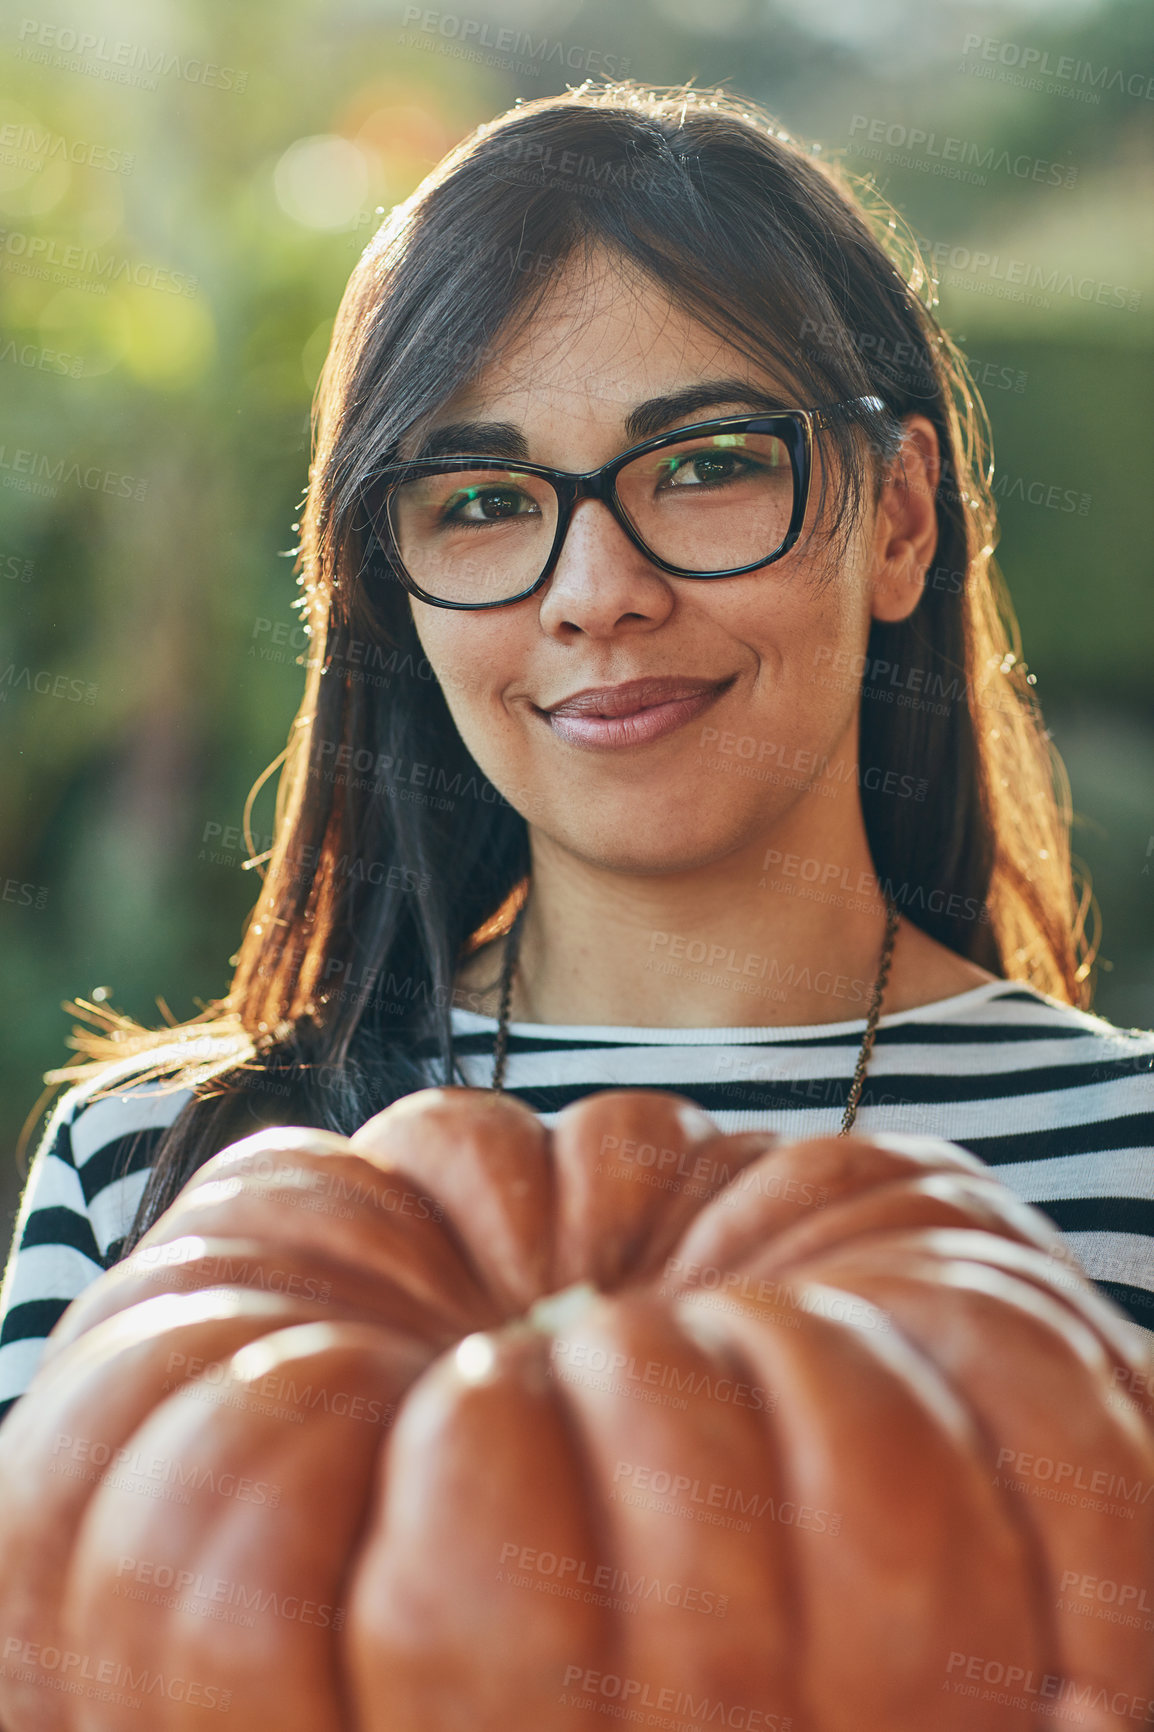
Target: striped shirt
1057, 1102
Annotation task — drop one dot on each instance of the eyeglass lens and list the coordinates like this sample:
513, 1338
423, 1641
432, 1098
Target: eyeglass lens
708, 503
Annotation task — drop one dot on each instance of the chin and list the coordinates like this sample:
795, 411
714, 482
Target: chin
655, 843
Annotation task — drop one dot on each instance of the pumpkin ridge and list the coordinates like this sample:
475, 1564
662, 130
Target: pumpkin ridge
790, 1181
785, 1378
924, 1579
494, 1183
928, 1200
611, 1416
212, 1534
348, 1288
1085, 1429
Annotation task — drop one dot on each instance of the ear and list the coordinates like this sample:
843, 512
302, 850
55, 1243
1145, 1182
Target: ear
906, 526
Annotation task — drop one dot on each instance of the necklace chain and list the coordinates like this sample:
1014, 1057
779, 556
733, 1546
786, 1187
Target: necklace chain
508, 965
865, 1051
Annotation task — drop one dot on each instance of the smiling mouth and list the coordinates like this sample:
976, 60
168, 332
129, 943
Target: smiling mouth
633, 714
634, 697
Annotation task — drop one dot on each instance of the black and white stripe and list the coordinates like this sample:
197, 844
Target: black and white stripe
1059, 1103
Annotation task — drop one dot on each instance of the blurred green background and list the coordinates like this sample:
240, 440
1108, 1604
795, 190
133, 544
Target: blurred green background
183, 192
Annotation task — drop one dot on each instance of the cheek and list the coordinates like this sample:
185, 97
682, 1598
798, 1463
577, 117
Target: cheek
474, 664
801, 621
835, 626
807, 635
455, 652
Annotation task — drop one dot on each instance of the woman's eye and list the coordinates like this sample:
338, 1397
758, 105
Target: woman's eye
705, 469
488, 505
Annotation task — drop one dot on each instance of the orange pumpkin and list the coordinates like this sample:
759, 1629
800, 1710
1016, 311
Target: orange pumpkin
466, 1424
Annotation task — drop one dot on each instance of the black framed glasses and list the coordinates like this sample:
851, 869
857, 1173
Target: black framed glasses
715, 499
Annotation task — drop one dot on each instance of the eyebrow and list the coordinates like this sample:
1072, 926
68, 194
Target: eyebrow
655, 415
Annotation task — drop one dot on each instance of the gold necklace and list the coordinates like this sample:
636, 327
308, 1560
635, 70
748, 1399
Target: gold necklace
865, 1051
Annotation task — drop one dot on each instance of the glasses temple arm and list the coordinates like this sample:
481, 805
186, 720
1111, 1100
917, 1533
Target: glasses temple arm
824, 417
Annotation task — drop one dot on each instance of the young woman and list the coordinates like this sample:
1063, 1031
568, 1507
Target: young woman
665, 724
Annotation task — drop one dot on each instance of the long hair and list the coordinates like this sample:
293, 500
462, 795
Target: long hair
393, 856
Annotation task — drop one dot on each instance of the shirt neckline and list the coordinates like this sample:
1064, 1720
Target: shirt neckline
469, 1021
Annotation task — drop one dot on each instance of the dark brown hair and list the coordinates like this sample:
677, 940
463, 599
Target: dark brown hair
343, 984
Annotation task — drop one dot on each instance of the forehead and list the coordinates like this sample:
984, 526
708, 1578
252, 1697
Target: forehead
602, 338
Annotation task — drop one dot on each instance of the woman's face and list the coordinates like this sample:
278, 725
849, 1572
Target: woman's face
775, 649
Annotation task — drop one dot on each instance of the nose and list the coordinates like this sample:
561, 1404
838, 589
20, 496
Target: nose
601, 582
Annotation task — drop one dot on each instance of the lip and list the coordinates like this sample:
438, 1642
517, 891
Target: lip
633, 713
